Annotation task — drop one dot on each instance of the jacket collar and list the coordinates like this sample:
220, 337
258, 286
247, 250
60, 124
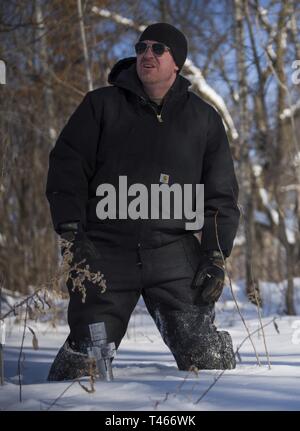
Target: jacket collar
124, 75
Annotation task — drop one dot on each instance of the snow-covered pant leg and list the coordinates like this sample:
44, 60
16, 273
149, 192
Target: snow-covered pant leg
185, 323
113, 307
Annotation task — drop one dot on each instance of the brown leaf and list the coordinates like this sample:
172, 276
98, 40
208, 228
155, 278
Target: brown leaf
276, 327
35, 343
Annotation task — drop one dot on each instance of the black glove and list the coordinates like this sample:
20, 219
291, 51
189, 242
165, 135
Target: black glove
82, 247
209, 277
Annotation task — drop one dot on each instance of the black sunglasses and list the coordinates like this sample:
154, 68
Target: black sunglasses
157, 48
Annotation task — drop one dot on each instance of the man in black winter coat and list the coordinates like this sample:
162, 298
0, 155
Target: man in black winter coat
149, 128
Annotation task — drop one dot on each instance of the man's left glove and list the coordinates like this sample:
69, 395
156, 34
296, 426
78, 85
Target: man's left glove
210, 276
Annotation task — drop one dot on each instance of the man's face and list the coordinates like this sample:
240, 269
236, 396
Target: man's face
154, 69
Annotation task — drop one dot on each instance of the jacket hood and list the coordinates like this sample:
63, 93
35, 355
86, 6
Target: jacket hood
124, 75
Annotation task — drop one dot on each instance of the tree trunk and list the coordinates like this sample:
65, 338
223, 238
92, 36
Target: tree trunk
246, 175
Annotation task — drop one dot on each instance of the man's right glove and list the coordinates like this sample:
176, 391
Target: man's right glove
82, 247
209, 277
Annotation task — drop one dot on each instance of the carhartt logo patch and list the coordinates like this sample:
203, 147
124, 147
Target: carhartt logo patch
164, 179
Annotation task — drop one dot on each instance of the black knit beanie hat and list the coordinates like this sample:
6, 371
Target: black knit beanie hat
170, 36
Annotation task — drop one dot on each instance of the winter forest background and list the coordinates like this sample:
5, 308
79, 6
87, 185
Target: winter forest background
244, 59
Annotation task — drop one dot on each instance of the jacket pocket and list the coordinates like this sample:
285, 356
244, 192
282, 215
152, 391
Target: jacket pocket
192, 251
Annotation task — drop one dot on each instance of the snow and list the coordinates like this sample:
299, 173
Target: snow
297, 160
257, 170
105, 13
289, 112
194, 74
239, 240
270, 205
145, 374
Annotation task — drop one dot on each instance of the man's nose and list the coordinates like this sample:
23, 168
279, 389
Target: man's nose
148, 52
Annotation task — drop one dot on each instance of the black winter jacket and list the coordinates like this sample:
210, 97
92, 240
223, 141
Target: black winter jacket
115, 131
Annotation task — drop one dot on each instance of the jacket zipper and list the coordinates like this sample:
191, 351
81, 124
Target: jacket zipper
139, 260
158, 116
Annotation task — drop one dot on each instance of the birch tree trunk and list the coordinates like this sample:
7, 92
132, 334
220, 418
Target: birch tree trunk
84, 47
246, 175
282, 151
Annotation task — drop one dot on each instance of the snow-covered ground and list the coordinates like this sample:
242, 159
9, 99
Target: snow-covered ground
146, 376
